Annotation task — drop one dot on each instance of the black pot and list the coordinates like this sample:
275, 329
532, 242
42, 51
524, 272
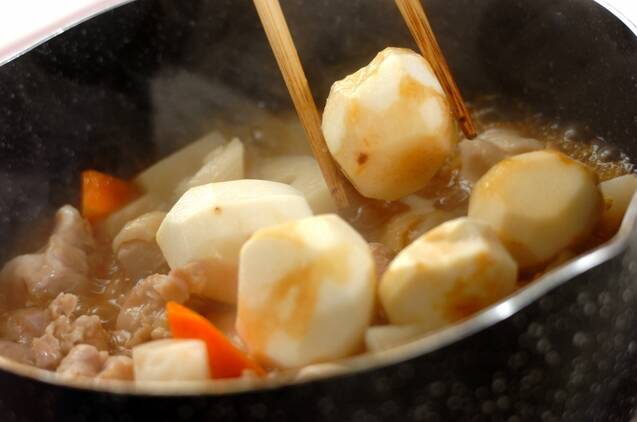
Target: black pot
120, 90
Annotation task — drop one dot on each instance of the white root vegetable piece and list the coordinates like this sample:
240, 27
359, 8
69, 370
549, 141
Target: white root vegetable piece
320, 370
306, 292
617, 194
171, 360
112, 225
539, 203
477, 157
406, 227
211, 222
162, 178
224, 163
383, 337
389, 125
142, 228
491, 146
301, 172
446, 275
510, 141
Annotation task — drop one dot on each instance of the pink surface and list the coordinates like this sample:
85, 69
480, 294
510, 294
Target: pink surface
24, 23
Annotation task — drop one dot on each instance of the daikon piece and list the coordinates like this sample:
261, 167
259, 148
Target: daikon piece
389, 125
493, 145
301, 172
617, 194
320, 370
510, 141
306, 292
406, 227
477, 157
539, 203
211, 222
114, 223
224, 163
446, 275
383, 337
171, 360
163, 177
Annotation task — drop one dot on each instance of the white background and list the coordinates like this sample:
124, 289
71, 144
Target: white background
24, 22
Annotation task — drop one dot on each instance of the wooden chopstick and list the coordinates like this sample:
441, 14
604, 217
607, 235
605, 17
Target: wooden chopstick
289, 63
420, 28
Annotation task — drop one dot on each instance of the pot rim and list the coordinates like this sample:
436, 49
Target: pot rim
41, 35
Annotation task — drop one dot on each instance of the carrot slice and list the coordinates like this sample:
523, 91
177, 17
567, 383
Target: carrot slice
103, 194
224, 359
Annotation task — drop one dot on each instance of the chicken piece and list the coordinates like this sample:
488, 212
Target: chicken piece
82, 360
171, 360
63, 304
72, 229
539, 203
22, 325
13, 280
60, 268
383, 337
389, 125
490, 147
617, 194
65, 331
86, 329
306, 291
17, 352
446, 275
143, 314
47, 351
224, 163
117, 368
302, 172
211, 222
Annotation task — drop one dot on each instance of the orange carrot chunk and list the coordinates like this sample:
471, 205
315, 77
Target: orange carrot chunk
103, 194
224, 359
